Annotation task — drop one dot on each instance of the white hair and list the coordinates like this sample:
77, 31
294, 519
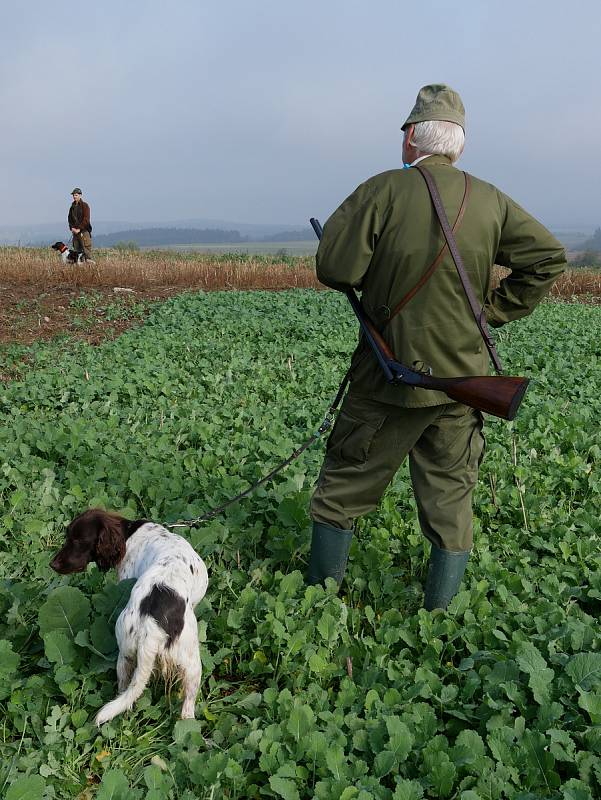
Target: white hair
440, 137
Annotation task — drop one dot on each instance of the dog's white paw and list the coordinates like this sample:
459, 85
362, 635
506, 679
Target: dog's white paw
105, 714
187, 711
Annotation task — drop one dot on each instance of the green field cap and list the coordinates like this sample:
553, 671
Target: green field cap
76, 191
437, 101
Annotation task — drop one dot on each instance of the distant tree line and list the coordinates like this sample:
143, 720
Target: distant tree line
594, 243
590, 255
586, 258
152, 237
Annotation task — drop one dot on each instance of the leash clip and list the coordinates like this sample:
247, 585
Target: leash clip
327, 423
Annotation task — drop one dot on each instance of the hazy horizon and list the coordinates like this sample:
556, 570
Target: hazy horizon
270, 113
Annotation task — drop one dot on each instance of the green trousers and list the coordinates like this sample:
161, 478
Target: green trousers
370, 441
82, 243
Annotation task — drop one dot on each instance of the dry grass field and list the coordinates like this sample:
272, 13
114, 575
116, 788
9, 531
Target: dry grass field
150, 270
161, 270
41, 297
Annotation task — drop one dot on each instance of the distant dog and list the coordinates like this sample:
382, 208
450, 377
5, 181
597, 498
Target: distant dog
69, 256
159, 617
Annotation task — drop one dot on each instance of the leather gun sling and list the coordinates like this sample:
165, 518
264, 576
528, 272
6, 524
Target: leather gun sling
438, 260
477, 310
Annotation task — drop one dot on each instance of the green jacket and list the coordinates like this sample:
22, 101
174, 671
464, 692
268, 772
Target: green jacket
386, 234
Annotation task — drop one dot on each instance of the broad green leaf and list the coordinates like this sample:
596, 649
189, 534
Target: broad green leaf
576, 790
9, 662
102, 635
336, 761
114, 786
79, 717
317, 663
384, 762
83, 640
540, 761
585, 670
156, 779
67, 609
291, 583
284, 788
235, 617
401, 739
316, 745
442, 776
112, 600
408, 790
469, 749
328, 627
300, 721
26, 788
531, 662
59, 648
250, 701
562, 747
185, 728
591, 702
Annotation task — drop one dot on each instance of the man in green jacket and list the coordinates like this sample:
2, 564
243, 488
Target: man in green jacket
383, 240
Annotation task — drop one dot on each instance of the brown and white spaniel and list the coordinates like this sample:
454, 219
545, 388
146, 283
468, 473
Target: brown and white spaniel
69, 256
158, 621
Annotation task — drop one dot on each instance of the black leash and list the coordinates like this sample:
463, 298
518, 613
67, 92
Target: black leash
323, 428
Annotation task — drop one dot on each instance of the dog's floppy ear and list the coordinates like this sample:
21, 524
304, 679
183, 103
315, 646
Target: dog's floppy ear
110, 545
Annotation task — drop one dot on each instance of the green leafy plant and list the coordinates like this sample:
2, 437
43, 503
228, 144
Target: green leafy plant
306, 693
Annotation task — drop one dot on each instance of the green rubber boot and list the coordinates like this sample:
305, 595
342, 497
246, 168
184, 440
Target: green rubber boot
445, 573
329, 553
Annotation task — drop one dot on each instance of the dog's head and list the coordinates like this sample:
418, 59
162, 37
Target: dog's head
60, 246
95, 535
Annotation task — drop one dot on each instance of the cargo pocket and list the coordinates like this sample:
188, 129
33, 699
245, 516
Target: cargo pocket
352, 438
477, 445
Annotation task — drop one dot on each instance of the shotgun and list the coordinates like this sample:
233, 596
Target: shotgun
498, 395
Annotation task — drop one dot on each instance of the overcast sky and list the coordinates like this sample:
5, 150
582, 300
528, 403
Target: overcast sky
274, 110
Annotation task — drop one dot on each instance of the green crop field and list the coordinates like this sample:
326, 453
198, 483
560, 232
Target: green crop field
306, 693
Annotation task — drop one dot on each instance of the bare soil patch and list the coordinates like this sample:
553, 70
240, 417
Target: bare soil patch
31, 313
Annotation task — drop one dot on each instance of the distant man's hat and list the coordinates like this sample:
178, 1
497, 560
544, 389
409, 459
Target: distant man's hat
76, 191
437, 101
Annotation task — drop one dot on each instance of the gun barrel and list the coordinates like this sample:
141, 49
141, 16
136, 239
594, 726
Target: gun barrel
316, 225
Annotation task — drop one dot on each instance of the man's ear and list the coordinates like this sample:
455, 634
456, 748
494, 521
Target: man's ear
409, 149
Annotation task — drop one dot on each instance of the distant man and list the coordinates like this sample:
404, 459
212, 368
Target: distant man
385, 240
79, 223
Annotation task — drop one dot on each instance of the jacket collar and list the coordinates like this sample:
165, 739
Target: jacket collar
437, 159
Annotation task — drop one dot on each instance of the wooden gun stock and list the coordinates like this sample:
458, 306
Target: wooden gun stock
493, 394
